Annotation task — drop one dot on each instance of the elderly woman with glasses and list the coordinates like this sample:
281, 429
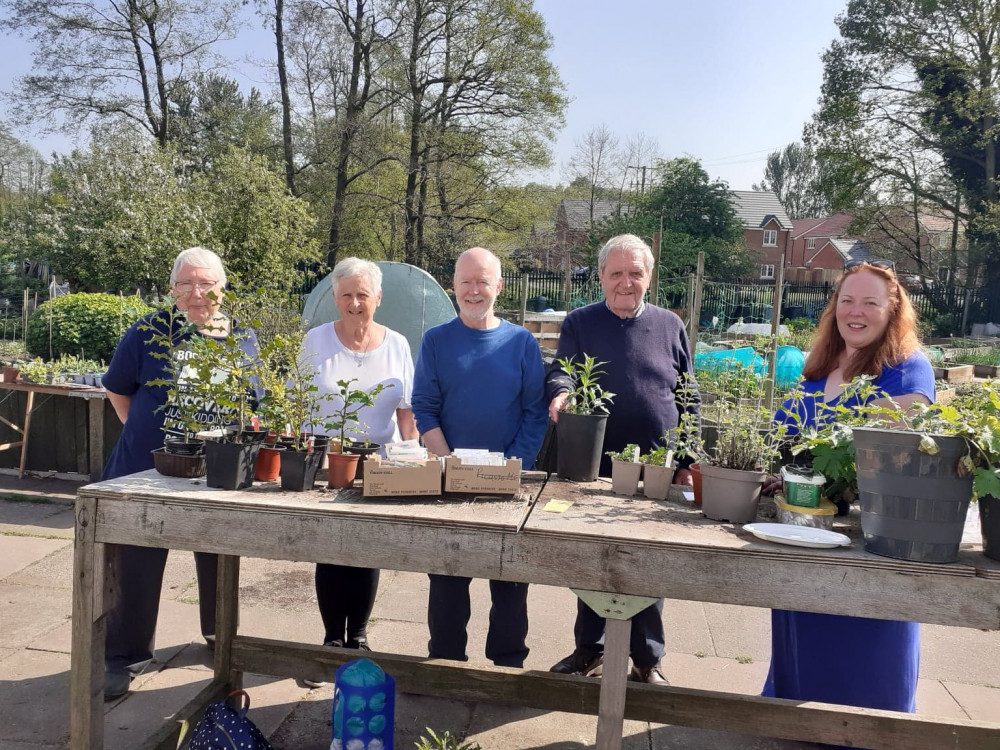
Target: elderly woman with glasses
868, 328
357, 348
196, 285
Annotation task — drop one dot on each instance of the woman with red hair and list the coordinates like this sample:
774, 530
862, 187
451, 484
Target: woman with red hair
868, 328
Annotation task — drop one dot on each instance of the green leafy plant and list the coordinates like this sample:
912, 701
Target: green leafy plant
585, 395
167, 332
659, 456
628, 454
84, 325
352, 400
444, 741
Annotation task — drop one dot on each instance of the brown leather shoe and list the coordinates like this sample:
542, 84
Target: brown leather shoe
650, 675
582, 662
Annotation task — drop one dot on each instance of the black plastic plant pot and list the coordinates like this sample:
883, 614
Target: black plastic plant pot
320, 442
989, 524
230, 466
298, 469
362, 450
181, 447
580, 439
253, 436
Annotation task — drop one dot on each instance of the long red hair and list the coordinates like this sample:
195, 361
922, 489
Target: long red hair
898, 342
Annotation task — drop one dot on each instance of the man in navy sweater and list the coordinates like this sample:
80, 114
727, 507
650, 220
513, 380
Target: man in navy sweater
479, 382
645, 349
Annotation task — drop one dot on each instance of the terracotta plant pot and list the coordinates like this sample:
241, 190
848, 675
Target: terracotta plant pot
10, 374
730, 494
625, 477
696, 477
343, 469
656, 481
268, 463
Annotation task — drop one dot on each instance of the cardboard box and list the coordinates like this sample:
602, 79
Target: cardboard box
422, 478
489, 480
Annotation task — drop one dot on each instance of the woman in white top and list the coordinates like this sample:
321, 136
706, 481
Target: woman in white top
356, 347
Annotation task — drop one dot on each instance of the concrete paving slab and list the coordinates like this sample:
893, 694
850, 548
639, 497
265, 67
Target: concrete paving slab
38, 516
961, 655
508, 727
29, 614
56, 490
277, 583
979, 703
714, 673
54, 571
739, 632
664, 737
5, 652
686, 628
19, 552
933, 699
22, 746
402, 596
34, 696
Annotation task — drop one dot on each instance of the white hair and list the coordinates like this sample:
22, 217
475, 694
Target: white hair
349, 267
625, 243
198, 257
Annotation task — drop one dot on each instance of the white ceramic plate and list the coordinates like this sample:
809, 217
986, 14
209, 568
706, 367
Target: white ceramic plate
798, 536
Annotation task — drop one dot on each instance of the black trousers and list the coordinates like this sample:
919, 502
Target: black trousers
128, 645
346, 597
449, 610
645, 643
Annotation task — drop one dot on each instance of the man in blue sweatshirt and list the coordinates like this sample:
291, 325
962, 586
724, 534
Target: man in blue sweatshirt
479, 382
647, 358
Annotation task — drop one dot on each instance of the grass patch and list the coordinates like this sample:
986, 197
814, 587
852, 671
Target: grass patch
700, 654
36, 499
35, 536
744, 660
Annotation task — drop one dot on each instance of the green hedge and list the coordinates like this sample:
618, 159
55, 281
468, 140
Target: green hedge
84, 325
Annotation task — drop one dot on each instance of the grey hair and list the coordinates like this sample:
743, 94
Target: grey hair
198, 257
625, 243
349, 267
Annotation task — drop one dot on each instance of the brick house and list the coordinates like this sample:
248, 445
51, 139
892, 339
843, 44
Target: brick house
573, 223
766, 227
820, 247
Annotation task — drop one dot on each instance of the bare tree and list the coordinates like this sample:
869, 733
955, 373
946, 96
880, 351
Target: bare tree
101, 58
597, 159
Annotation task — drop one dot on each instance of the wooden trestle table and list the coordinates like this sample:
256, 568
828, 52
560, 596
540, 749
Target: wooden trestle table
614, 551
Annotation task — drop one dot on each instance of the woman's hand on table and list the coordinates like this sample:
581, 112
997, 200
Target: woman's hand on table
684, 477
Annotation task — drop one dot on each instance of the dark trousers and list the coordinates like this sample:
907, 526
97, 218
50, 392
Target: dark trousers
346, 596
449, 610
128, 645
645, 644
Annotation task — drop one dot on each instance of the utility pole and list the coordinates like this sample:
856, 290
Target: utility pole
642, 185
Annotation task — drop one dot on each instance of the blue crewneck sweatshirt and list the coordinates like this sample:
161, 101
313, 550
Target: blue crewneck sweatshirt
483, 388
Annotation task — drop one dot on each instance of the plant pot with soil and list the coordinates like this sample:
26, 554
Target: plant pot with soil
625, 470
268, 463
186, 465
342, 469
230, 466
581, 424
658, 473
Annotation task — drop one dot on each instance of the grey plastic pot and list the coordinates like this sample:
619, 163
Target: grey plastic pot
913, 505
625, 477
730, 494
656, 481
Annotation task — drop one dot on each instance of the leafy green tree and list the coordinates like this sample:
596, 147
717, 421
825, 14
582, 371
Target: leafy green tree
910, 98
697, 216
261, 231
793, 174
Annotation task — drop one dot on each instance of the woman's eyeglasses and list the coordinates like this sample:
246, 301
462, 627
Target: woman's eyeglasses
888, 265
186, 287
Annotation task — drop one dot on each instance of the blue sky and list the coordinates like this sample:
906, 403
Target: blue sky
723, 81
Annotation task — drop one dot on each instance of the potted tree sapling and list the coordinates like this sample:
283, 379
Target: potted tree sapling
581, 425
625, 470
344, 420
301, 458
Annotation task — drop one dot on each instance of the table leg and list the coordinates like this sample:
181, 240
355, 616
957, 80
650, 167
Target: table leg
95, 438
90, 604
227, 620
24, 434
611, 709
617, 610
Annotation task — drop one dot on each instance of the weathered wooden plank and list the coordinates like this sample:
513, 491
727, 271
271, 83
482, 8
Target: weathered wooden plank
169, 736
226, 620
95, 438
87, 653
787, 580
611, 707
726, 712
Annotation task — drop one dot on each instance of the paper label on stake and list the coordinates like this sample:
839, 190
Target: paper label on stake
557, 506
